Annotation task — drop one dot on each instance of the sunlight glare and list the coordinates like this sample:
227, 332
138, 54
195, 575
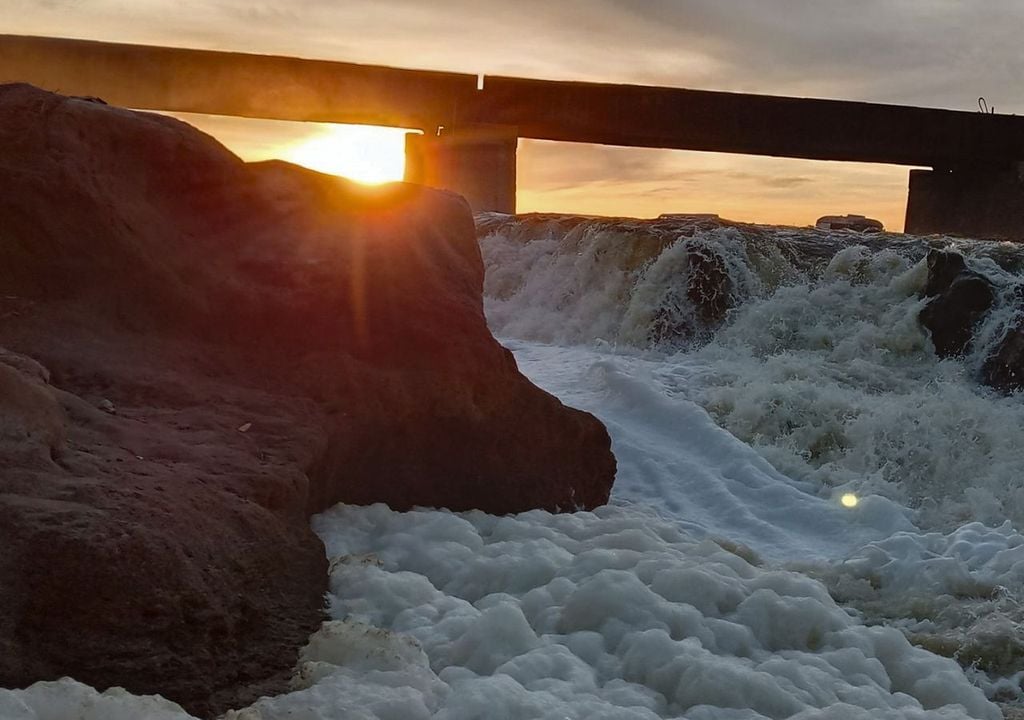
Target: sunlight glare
364, 153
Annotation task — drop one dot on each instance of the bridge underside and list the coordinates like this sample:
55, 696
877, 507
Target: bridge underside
475, 154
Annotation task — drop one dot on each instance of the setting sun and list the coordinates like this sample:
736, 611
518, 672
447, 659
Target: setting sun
364, 153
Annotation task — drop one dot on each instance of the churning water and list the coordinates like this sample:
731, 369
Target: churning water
805, 347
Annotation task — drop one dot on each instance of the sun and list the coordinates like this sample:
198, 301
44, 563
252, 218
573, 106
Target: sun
364, 153
849, 500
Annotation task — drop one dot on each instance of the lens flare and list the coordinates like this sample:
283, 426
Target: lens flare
368, 154
849, 500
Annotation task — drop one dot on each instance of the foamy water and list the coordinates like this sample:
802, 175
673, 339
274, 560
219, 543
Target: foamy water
726, 579
820, 364
819, 368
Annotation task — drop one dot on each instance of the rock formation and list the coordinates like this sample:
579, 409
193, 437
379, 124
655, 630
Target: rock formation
1004, 368
199, 353
960, 299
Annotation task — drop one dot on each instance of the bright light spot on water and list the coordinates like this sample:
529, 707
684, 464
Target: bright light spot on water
849, 500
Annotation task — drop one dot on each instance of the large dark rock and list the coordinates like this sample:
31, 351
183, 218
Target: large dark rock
960, 299
198, 354
155, 547
944, 266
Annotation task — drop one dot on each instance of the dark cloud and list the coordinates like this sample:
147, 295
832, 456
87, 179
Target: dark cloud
779, 182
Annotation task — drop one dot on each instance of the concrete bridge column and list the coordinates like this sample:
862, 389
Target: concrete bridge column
977, 201
479, 163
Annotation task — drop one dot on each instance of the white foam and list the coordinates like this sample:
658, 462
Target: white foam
824, 371
673, 457
67, 699
612, 614
953, 564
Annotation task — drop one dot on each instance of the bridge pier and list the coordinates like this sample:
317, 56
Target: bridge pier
977, 201
479, 163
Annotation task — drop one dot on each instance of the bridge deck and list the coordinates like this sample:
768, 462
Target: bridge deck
262, 86
240, 84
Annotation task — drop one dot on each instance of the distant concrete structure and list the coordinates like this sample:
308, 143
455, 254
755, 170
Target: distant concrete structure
859, 223
239, 84
979, 201
480, 163
973, 189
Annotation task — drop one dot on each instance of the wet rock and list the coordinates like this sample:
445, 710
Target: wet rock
710, 287
32, 422
960, 299
159, 547
944, 267
708, 297
1004, 368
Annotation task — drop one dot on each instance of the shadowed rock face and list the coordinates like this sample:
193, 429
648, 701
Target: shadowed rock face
960, 299
198, 353
1004, 369
709, 291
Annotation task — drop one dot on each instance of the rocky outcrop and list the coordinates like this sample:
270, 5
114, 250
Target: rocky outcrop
198, 353
960, 299
963, 298
152, 544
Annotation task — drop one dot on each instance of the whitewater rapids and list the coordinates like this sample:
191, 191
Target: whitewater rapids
726, 580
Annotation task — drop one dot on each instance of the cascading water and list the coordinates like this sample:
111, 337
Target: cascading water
806, 346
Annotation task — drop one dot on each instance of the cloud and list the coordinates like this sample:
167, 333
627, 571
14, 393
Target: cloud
780, 182
930, 52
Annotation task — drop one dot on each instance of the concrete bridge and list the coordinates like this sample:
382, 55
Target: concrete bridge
471, 124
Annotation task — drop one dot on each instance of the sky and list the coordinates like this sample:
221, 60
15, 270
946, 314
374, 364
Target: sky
935, 53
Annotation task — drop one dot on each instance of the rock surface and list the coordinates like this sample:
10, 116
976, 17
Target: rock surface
1004, 368
960, 299
963, 298
198, 353
709, 292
